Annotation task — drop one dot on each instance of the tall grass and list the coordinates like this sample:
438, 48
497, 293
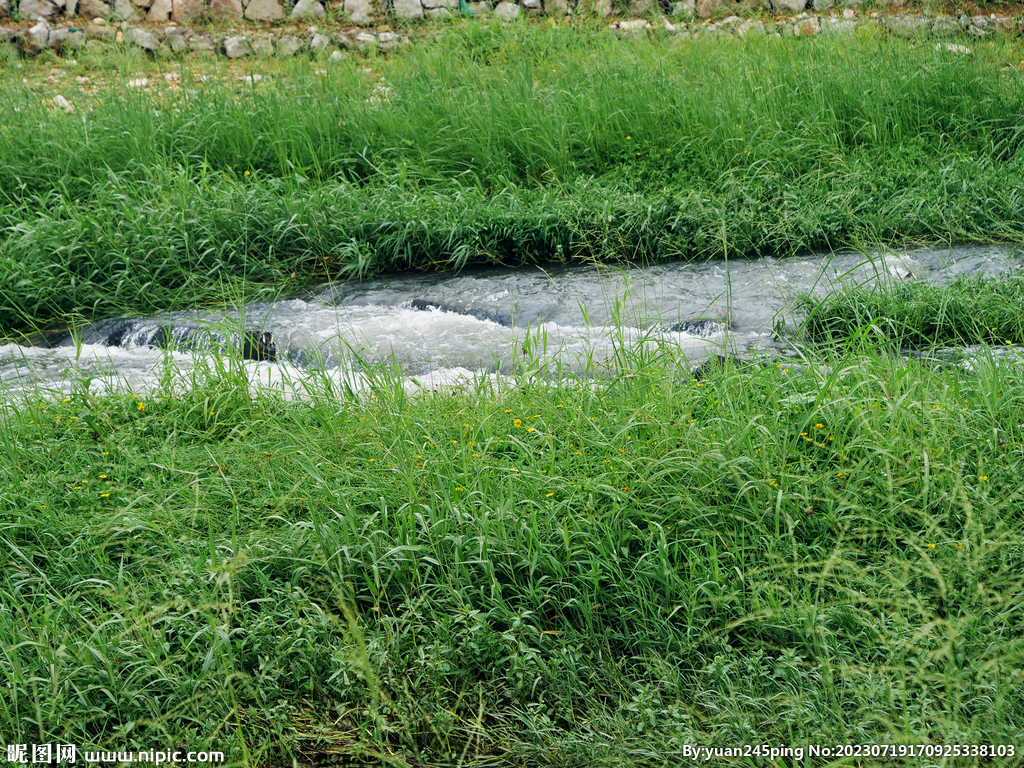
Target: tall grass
494, 143
526, 572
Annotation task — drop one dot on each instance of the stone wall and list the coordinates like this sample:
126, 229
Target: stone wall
67, 24
372, 12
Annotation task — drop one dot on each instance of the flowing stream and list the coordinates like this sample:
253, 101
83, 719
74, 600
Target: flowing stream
440, 327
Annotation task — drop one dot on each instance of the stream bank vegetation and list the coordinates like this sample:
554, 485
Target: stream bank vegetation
491, 143
524, 571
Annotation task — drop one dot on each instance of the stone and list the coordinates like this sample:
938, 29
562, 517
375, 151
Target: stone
62, 40
557, 8
479, 9
308, 9
288, 46
359, 11
794, 6
808, 27
262, 47
236, 47
599, 8
124, 10
264, 10
71, 8
943, 26
389, 37
450, 4
225, 9
63, 103
437, 13
201, 43
507, 11
184, 11
319, 42
177, 43
839, 27
159, 11
708, 8
908, 26
642, 7
336, 56
142, 38
99, 33
532, 5
5, 9
629, 25
365, 40
37, 38
687, 9
34, 10
408, 9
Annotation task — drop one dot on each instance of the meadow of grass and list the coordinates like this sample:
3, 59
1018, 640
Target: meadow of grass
525, 572
492, 143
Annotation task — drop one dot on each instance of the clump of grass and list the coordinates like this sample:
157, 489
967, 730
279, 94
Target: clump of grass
966, 310
608, 571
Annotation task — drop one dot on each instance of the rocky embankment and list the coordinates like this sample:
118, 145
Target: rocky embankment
172, 40
170, 28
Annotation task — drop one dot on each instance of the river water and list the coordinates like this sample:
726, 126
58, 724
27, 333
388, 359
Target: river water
441, 327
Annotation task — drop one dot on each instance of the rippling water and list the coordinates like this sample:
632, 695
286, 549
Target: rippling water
445, 326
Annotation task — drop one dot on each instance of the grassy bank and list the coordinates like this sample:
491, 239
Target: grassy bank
526, 573
496, 143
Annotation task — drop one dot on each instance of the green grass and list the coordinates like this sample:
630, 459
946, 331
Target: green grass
495, 143
967, 310
525, 572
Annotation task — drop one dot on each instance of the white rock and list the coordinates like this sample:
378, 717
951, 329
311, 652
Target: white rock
264, 10
308, 9
952, 48
236, 47
138, 82
142, 38
288, 45
34, 10
359, 11
408, 9
507, 11
63, 103
159, 11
